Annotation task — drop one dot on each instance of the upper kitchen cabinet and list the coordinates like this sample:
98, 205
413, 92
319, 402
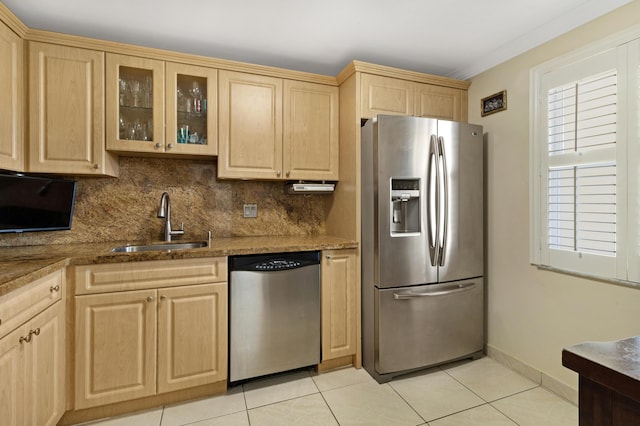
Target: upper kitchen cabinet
389, 95
276, 129
310, 148
445, 103
135, 104
11, 107
250, 126
66, 111
191, 119
385, 95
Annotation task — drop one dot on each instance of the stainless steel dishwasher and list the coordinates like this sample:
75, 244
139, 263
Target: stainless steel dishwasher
274, 317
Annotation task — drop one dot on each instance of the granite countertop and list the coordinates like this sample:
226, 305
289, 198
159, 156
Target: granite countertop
22, 265
615, 365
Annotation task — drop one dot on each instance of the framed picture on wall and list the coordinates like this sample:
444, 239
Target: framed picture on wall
494, 103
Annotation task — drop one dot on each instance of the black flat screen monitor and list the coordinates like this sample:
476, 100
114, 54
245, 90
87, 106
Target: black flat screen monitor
34, 203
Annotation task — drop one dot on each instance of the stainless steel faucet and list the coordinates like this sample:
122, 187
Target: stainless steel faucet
164, 212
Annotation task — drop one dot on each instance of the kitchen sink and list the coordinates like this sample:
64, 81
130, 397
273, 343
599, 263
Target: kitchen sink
134, 248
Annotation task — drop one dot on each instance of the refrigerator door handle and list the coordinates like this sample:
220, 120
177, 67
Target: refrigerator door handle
445, 201
433, 198
454, 288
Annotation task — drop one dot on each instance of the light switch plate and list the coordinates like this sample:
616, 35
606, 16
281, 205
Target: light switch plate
250, 210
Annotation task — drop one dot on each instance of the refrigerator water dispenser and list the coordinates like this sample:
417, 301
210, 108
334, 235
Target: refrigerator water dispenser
405, 206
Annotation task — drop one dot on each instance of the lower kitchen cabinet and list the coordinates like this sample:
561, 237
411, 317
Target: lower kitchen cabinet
338, 304
192, 336
115, 347
139, 343
32, 362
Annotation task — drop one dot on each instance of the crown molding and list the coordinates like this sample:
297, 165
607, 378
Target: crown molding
555, 28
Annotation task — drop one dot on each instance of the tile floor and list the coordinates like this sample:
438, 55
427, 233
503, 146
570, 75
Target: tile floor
481, 392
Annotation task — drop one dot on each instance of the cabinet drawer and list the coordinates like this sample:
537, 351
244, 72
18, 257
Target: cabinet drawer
105, 278
20, 305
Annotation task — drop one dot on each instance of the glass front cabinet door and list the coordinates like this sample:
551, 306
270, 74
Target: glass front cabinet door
135, 104
191, 93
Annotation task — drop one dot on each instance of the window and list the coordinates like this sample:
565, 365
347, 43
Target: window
585, 160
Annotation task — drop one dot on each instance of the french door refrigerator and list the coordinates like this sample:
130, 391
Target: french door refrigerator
422, 243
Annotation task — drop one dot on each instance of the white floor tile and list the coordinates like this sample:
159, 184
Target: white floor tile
235, 419
278, 388
484, 415
343, 377
489, 379
145, 418
538, 407
434, 394
305, 411
370, 404
202, 409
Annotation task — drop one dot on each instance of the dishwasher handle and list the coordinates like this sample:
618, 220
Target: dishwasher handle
452, 289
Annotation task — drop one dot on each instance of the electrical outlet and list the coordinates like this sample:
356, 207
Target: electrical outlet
250, 210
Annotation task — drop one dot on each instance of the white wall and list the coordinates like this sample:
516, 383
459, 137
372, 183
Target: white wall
533, 314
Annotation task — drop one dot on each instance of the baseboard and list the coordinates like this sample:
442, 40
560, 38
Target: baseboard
551, 384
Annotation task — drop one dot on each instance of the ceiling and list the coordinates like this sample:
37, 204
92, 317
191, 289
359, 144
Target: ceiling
454, 38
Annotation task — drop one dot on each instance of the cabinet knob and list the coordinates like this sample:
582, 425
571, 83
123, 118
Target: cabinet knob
25, 339
163, 297
36, 331
158, 145
150, 299
56, 288
288, 173
169, 146
96, 166
278, 173
328, 257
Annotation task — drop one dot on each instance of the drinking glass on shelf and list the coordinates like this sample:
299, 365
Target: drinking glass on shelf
136, 91
122, 127
122, 84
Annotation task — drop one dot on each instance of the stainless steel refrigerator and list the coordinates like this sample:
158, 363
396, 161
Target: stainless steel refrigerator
422, 243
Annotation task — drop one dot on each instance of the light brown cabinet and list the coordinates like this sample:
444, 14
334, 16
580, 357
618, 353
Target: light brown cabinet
387, 95
141, 91
134, 341
192, 109
32, 356
338, 304
192, 329
66, 111
135, 104
276, 129
115, 347
11, 108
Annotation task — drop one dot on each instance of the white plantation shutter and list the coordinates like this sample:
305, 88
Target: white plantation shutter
585, 161
580, 148
582, 190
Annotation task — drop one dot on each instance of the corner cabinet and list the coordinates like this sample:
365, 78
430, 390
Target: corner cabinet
146, 328
276, 129
12, 150
66, 111
387, 95
32, 354
339, 304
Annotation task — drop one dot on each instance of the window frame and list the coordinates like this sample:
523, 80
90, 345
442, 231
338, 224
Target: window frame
623, 49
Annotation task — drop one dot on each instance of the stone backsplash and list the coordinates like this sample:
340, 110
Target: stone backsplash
125, 208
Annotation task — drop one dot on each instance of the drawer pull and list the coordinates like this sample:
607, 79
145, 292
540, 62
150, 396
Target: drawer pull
56, 288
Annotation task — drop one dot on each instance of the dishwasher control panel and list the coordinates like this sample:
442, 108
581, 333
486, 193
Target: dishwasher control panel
277, 264
274, 261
